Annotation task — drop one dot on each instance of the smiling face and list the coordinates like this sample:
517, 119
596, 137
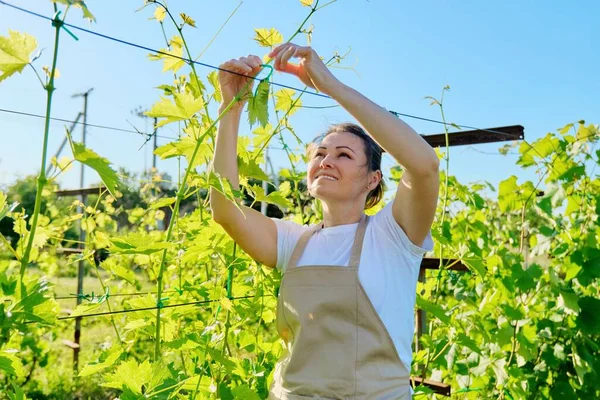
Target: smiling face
337, 169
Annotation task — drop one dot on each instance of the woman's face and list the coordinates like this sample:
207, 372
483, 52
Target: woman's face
337, 170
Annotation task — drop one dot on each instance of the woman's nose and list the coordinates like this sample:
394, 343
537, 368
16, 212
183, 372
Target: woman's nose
326, 162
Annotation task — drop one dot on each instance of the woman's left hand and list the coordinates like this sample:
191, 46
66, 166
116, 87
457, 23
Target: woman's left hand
310, 69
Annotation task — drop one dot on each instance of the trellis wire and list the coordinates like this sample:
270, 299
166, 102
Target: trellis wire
144, 309
189, 61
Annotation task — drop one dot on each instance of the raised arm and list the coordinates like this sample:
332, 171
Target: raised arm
417, 194
253, 231
416, 198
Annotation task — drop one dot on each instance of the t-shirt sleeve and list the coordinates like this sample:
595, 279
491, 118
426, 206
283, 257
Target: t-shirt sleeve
388, 226
288, 234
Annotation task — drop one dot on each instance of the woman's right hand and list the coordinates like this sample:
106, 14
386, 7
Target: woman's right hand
232, 84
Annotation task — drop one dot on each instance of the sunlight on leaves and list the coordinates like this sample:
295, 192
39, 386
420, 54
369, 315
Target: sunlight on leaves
268, 37
15, 52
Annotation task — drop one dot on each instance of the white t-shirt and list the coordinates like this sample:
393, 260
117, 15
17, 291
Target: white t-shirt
389, 277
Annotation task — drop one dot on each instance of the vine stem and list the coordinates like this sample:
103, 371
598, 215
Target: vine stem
229, 289
178, 198
181, 189
444, 205
287, 152
189, 55
41, 181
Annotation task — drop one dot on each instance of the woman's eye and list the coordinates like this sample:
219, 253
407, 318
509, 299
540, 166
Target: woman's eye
344, 155
318, 155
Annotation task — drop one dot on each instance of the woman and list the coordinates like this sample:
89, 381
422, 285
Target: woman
347, 296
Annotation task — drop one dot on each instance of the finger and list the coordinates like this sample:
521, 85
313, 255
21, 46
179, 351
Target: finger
277, 50
236, 66
280, 55
255, 60
291, 69
248, 62
303, 51
285, 56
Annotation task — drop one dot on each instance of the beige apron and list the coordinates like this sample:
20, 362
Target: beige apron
336, 346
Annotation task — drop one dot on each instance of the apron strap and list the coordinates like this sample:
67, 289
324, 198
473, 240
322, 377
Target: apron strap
301, 245
358, 243
355, 253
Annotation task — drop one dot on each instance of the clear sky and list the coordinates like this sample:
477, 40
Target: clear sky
533, 63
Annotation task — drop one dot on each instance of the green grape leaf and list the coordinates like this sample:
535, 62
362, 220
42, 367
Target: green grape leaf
163, 381
195, 85
587, 133
434, 309
188, 20
85, 308
278, 199
173, 57
11, 365
565, 129
79, 4
213, 79
243, 392
36, 305
268, 37
466, 341
249, 168
167, 201
588, 319
561, 389
261, 135
15, 52
223, 360
476, 265
96, 367
285, 188
184, 106
185, 147
272, 198
223, 186
284, 101
138, 243
514, 313
423, 390
581, 365
99, 164
113, 266
130, 375
4, 207
512, 197
159, 14
258, 106
202, 383
18, 394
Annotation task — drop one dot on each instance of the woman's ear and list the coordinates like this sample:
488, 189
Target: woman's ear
375, 179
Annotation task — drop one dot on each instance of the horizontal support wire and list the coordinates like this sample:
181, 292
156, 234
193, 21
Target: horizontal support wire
190, 61
84, 296
193, 303
110, 128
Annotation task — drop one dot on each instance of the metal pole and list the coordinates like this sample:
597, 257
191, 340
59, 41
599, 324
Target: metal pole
80, 210
62, 145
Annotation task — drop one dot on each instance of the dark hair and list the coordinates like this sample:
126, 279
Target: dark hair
372, 150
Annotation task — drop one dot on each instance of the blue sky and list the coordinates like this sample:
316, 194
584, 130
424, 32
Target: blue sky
532, 63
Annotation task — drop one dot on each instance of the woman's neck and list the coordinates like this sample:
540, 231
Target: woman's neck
335, 214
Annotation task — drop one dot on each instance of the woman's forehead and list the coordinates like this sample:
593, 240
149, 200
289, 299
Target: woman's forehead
335, 139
